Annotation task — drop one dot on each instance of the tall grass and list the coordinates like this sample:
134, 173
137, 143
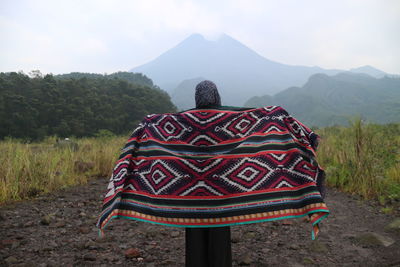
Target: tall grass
363, 159
29, 169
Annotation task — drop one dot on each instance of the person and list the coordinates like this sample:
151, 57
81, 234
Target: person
213, 167
208, 247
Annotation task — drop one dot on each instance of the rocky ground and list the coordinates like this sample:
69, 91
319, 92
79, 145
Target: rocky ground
59, 229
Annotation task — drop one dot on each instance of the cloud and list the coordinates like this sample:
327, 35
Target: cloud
106, 36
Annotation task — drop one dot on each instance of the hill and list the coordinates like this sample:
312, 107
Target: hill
238, 71
328, 100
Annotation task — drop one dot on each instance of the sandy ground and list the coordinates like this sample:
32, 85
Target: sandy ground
59, 230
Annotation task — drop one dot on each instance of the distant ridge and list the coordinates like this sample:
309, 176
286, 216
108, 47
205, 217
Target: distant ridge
374, 72
333, 100
238, 71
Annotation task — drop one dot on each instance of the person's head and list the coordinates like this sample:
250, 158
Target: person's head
207, 95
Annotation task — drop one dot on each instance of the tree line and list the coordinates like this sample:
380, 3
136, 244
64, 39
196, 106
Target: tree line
76, 104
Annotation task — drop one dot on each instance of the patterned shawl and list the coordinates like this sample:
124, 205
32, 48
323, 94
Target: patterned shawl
217, 167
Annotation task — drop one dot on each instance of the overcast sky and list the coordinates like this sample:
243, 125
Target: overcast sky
115, 35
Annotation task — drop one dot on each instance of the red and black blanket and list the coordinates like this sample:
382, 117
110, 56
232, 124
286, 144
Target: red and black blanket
217, 167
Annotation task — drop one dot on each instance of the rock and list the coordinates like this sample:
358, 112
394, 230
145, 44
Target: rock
123, 246
28, 224
308, 261
150, 234
296, 264
36, 209
89, 257
46, 220
394, 226
11, 260
235, 238
148, 247
373, 240
175, 233
60, 215
48, 247
245, 259
15, 245
52, 244
90, 245
80, 245
132, 253
250, 235
84, 230
149, 259
105, 239
66, 144
294, 247
59, 224
317, 246
266, 250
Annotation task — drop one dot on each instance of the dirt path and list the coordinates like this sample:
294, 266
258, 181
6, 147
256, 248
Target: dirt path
59, 229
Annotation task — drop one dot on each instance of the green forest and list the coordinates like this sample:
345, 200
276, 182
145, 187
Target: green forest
77, 104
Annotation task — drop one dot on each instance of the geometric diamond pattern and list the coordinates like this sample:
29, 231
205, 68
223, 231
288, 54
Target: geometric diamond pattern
158, 176
204, 120
246, 174
178, 175
168, 127
242, 125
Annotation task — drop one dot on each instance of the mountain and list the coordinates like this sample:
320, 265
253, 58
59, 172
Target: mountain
238, 71
328, 100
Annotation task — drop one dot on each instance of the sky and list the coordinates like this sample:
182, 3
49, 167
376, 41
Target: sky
105, 36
